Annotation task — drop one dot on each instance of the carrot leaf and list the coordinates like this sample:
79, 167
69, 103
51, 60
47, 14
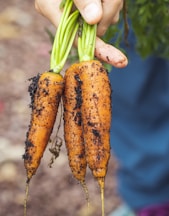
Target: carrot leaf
86, 41
64, 37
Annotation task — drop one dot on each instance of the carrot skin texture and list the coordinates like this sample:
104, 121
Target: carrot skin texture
96, 116
45, 97
73, 132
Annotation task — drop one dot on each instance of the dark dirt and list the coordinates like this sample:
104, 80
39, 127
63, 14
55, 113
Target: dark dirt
24, 52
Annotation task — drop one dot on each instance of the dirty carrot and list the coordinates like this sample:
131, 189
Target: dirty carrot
73, 131
45, 91
96, 117
95, 108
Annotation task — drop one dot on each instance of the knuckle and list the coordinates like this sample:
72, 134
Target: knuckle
116, 19
101, 31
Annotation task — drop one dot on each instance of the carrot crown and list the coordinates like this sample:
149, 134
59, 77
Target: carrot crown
64, 37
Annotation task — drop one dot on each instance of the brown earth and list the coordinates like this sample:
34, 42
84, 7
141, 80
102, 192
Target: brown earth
24, 52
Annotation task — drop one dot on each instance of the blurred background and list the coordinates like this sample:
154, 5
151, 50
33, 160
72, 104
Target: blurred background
24, 52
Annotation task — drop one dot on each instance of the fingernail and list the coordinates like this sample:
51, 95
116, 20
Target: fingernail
92, 13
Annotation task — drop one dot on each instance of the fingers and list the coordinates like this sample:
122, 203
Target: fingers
91, 11
110, 54
103, 51
105, 12
49, 9
111, 12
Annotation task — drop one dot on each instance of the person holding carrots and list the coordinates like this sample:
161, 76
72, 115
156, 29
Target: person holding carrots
92, 12
139, 133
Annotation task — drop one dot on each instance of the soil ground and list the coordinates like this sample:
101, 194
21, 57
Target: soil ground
24, 52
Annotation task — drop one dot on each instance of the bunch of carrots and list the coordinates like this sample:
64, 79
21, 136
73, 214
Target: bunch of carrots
86, 94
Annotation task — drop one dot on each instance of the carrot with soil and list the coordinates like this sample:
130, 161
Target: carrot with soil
46, 90
96, 117
73, 131
95, 108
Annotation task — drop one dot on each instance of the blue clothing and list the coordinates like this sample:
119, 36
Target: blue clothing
140, 129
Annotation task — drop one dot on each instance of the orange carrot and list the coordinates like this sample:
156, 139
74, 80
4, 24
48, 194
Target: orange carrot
96, 117
73, 133
45, 91
46, 95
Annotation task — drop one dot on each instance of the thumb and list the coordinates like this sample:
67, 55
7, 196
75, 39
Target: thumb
90, 10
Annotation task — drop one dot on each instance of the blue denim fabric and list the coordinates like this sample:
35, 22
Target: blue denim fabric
140, 129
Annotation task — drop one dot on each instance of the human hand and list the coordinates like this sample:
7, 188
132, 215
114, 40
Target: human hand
104, 13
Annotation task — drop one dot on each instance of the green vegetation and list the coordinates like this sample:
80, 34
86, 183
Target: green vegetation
150, 23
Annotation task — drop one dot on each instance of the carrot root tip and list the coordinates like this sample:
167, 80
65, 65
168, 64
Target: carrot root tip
101, 182
26, 198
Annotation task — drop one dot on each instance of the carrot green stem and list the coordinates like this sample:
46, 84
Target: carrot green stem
67, 8
64, 37
86, 41
70, 27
